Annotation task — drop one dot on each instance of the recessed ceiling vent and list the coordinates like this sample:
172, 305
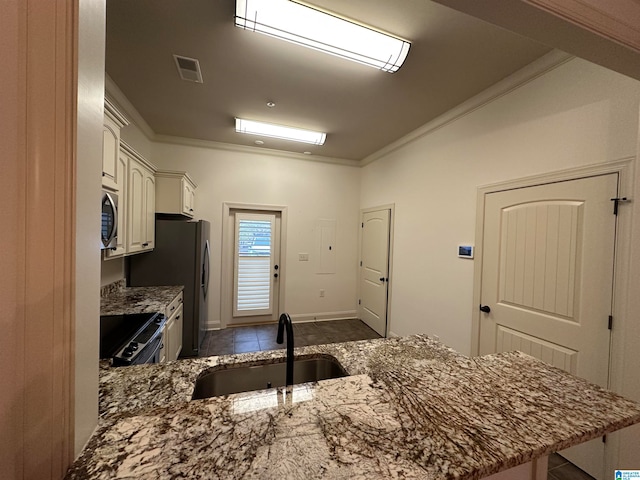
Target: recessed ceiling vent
188, 68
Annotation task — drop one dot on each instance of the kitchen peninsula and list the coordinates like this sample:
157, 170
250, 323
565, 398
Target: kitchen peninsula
412, 408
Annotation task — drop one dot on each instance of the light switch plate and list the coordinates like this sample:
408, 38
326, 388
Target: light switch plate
303, 257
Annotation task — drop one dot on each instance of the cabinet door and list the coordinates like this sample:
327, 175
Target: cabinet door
163, 348
121, 175
177, 337
188, 196
110, 147
174, 332
136, 225
149, 211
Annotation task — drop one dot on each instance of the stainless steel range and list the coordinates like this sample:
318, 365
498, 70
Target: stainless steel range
131, 339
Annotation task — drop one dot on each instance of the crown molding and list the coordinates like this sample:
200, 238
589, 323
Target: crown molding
115, 95
518, 79
536, 69
194, 142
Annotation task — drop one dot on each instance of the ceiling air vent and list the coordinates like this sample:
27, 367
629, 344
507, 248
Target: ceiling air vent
188, 68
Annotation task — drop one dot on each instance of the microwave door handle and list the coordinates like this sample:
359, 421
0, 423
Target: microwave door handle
114, 231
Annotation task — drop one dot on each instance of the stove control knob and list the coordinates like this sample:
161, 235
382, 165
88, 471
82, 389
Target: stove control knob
158, 320
127, 352
133, 346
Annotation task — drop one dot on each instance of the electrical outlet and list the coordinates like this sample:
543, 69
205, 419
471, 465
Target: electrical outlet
322, 293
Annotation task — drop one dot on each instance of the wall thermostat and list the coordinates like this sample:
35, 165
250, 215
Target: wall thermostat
465, 251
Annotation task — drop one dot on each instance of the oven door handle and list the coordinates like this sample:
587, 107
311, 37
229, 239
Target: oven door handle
149, 354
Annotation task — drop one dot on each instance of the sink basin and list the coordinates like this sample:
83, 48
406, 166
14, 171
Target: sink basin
241, 378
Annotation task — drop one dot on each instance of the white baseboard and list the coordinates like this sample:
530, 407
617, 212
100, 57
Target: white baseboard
393, 335
317, 317
303, 318
213, 325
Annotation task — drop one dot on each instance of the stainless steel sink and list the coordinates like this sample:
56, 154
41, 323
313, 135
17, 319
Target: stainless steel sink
241, 378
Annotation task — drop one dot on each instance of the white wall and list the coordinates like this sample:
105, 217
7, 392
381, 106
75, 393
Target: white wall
310, 190
91, 48
577, 114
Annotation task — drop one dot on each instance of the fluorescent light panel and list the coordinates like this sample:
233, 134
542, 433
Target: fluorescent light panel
322, 31
279, 131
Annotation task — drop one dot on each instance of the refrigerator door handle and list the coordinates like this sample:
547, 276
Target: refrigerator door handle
205, 269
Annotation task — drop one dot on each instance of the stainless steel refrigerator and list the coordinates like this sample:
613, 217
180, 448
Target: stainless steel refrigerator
180, 257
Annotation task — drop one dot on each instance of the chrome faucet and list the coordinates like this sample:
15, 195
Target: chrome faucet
285, 321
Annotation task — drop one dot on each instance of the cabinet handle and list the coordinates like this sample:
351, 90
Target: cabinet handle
191, 209
104, 174
145, 244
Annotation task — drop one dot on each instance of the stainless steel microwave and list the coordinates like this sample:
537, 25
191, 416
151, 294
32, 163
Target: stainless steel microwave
109, 224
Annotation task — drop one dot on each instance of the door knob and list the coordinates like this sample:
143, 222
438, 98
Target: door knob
485, 308
275, 275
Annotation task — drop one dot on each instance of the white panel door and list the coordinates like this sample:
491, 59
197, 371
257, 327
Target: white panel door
374, 269
547, 277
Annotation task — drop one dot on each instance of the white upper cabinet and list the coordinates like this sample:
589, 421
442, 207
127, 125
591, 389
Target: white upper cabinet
175, 193
140, 207
113, 122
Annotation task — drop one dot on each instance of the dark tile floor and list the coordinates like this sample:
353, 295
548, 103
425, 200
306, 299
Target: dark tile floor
263, 337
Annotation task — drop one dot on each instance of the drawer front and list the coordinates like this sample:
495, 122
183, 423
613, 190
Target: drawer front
173, 306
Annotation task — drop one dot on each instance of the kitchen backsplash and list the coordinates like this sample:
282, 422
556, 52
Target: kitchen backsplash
112, 287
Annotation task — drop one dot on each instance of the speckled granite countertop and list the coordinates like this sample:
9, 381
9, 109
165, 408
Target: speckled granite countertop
412, 408
121, 301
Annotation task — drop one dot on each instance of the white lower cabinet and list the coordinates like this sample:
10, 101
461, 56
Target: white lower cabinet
163, 347
172, 333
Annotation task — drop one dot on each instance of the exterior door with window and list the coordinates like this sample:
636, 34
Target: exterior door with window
256, 258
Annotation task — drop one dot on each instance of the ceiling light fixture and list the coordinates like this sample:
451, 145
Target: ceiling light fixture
279, 131
313, 28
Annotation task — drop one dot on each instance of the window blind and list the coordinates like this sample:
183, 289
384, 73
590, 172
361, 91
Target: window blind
253, 288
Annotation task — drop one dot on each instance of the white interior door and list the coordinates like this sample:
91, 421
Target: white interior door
547, 277
374, 269
256, 268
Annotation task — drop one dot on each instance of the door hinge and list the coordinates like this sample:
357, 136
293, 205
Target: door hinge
362, 224
360, 262
610, 322
604, 439
617, 201
359, 302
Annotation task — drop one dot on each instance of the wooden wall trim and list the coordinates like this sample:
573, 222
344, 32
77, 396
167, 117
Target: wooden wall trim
607, 19
38, 41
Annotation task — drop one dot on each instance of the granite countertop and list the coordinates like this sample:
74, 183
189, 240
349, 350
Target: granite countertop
412, 408
126, 300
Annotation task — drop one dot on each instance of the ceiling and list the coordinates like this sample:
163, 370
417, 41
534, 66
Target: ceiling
453, 57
